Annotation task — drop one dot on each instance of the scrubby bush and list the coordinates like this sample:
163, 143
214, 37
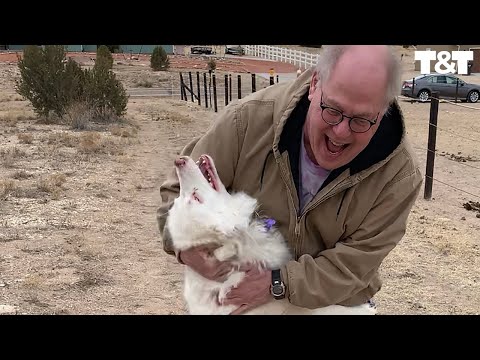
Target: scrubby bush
159, 59
211, 64
53, 84
104, 57
104, 92
44, 79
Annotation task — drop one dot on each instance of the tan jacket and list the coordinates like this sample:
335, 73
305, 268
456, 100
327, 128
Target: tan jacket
354, 221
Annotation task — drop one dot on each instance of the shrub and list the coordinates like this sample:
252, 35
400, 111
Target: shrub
104, 92
104, 57
53, 84
212, 64
159, 59
113, 48
42, 73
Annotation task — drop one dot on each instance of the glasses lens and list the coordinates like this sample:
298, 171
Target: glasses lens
331, 116
359, 125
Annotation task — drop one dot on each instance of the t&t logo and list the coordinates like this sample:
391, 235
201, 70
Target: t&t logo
443, 65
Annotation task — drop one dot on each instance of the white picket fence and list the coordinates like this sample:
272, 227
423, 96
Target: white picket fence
298, 58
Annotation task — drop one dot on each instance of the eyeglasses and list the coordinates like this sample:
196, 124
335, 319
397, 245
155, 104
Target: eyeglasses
333, 116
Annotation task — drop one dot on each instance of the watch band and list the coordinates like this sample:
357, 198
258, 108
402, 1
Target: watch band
277, 286
276, 277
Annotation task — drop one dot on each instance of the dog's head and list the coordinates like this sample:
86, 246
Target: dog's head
204, 207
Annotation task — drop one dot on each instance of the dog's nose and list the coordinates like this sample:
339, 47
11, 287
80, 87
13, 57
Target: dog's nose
180, 161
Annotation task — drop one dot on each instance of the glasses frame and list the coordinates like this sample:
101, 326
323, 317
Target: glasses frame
323, 106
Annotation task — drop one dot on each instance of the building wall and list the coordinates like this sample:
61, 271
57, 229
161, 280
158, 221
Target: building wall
76, 48
144, 49
16, 47
134, 49
89, 48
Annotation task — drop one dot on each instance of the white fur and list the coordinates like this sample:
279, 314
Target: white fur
229, 221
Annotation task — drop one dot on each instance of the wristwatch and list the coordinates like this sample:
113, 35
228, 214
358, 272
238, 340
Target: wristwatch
278, 287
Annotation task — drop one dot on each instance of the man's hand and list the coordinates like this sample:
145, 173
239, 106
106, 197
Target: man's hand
253, 290
202, 261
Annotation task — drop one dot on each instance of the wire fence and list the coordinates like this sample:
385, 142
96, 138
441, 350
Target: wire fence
221, 91
432, 151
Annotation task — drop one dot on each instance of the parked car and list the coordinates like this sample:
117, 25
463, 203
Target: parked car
201, 50
446, 85
234, 49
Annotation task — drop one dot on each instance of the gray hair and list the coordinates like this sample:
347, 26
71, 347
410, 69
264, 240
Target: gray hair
330, 55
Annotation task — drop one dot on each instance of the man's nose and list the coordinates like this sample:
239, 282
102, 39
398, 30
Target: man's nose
342, 130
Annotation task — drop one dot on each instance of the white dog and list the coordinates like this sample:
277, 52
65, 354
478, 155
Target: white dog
205, 213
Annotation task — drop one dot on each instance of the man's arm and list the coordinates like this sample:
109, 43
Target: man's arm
222, 142
341, 272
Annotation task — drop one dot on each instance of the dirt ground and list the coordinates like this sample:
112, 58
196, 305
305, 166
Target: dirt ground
78, 233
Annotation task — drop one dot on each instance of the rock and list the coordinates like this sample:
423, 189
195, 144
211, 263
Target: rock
7, 310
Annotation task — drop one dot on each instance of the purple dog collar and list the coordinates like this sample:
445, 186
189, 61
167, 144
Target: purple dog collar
268, 223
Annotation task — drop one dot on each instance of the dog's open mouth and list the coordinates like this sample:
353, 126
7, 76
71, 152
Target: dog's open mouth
208, 171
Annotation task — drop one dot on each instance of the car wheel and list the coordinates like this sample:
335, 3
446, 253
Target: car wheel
423, 95
473, 96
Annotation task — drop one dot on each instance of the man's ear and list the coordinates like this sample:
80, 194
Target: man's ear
313, 86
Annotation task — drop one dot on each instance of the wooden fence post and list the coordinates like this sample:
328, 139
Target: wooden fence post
191, 85
214, 93
432, 138
205, 88
198, 89
226, 89
239, 85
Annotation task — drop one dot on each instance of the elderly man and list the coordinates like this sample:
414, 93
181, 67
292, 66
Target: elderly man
327, 157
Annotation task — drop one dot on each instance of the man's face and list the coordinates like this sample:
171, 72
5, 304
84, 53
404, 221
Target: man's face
333, 146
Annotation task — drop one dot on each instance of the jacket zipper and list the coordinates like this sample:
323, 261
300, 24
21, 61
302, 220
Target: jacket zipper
296, 232
298, 228
298, 219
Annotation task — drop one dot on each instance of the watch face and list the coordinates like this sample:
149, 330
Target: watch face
277, 290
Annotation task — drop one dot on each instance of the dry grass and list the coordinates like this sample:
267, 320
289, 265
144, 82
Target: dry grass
144, 83
95, 143
12, 117
51, 184
33, 281
62, 138
80, 116
10, 155
7, 187
10, 97
117, 130
25, 138
21, 175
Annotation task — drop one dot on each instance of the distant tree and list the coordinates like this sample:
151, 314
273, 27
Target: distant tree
104, 58
159, 59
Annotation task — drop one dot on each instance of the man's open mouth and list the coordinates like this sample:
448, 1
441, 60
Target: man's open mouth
333, 147
207, 170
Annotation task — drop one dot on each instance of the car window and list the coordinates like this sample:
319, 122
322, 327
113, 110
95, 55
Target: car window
452, 80
439, 79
